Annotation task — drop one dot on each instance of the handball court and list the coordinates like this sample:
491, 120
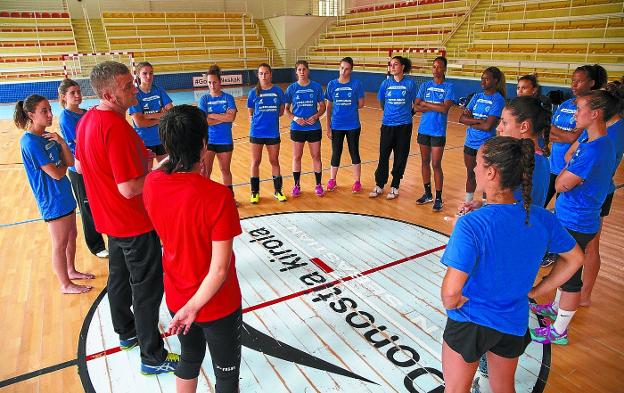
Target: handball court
41, 328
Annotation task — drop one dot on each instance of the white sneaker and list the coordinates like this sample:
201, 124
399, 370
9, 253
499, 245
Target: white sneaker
376, 192
394, 192
102, 254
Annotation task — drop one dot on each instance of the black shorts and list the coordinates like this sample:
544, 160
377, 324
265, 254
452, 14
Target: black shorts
159, 150
606, 206
431, 141
220, 148
472, 341
56, 218
469, 151
306, 136
265, 141
575, 283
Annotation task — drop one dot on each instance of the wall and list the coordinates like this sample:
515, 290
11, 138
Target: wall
296, 32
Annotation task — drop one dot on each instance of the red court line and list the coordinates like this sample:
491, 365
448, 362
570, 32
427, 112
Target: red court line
322, 266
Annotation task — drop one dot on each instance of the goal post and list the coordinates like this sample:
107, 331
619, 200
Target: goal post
78, 66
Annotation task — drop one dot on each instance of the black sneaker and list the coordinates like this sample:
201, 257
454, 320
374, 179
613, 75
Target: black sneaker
437, 205
548, 259
424, 199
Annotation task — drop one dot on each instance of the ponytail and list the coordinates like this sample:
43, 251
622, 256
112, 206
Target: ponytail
405, 62
533, 110
23, 108
528, 165
501, 84
606, 100
617, 90
596, 73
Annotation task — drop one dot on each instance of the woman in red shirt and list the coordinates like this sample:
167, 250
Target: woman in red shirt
197, 220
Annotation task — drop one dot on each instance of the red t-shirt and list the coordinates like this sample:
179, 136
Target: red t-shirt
189, 212
110, 152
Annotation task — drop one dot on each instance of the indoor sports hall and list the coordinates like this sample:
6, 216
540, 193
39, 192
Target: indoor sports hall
341, 292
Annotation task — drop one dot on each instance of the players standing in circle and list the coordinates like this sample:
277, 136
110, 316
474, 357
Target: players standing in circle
220, 110
197, 232
435, 98
615, 132
46, 158
487, 311
563, 131
70, 98
582, 186
481, 116
153, 103
265, 104
345, 96
396, 96
305, 105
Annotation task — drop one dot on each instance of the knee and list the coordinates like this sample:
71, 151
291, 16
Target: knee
575, 283
437, 166
255, 163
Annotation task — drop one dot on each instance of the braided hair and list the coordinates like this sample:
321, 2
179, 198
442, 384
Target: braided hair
532, 109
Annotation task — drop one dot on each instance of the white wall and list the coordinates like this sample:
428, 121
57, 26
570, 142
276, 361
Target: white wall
296, 32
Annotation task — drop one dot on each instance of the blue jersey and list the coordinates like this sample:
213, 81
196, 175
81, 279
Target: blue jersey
344, 98
54, 197
483, 106
151, 102
434, 123
490, 245
68, 121
579, 208
218, 134
397, 100
563, 118
266, 106
615, 132
540, 182
304, 102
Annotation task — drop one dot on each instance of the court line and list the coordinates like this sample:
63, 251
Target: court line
37, 373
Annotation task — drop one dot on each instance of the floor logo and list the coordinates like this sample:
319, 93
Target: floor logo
331, 302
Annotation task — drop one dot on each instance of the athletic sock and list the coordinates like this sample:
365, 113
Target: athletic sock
317, 176
563, 320
255, 185
297, 177
439, 194
277, 183
428, 189
555, 303
469, 196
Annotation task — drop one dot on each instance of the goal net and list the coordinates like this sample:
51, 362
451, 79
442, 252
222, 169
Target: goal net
78, 66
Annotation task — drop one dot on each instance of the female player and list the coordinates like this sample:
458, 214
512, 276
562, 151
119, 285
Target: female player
152, 105
563, 131
435, 98
305, 105
481, 116
344, 97
396, 96
583, 186
487, 311
615, 132
46, 158
197, 233
265, 104
220, 110
70, 98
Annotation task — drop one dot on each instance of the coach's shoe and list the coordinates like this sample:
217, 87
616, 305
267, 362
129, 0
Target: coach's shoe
376, 192
318, 189
255, 197
357, 187
548, 259
544, 310
128, 343
296, 191
437, 205
279, 195
168, 366
331, 185
548, 335
394, 193
425, 198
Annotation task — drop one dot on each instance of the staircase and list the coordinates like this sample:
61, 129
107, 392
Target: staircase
97, 43
459, 39
279, 55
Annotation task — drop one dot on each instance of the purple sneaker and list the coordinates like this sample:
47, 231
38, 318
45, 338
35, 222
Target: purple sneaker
331, 185
296, 191
548, 335
544, 310
357, 187
319, 190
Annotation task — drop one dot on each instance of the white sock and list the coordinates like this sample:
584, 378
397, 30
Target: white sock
563, 320
469, 196
555, 303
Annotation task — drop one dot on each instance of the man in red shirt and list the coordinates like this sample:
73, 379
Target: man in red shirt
114, 162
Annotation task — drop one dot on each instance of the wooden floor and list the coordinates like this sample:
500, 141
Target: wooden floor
41, 327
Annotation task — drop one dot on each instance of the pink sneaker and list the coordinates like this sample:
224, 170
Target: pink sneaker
319, 190
331, 185
296, 191
357, 187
